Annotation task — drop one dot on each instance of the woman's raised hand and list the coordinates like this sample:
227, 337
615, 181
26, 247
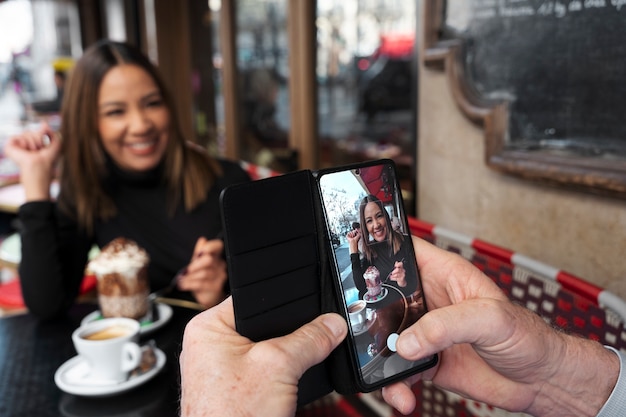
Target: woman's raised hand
35, 153
353, 237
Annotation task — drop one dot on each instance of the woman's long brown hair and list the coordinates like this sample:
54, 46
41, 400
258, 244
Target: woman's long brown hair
394, 239
188, 171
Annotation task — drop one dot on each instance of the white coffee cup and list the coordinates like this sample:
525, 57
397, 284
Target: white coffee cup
356, 312
110, 348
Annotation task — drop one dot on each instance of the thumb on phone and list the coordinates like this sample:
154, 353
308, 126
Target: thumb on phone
313, 342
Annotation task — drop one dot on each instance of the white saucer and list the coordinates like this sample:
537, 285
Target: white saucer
68, 378
165, 314
383, 294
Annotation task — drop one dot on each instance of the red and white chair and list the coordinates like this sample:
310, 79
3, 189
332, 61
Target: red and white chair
563, 299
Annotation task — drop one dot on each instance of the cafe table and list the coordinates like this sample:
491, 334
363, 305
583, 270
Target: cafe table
32, 350
389, 313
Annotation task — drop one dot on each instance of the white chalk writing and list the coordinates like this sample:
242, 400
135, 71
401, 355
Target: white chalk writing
589, 4
618, 3
575, 6
487, 9
484, 14
546, 9
517, 11
560, 9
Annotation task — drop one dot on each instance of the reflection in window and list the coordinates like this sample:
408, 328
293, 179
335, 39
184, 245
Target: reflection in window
366, 84
42, 40
262, 60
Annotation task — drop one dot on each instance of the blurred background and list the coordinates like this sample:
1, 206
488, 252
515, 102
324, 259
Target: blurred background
280, 83
295, 84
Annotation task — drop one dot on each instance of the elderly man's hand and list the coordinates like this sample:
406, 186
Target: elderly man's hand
225, 374
495, 351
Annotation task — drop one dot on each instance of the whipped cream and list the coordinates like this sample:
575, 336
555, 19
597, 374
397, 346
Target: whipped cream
122, 256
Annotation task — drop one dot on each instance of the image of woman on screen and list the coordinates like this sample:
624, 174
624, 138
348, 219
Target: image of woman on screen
384, 251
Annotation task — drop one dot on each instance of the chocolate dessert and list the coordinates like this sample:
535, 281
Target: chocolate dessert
122, 272
372, 281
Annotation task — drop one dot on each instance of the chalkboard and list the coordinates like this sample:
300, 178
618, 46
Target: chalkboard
560, 64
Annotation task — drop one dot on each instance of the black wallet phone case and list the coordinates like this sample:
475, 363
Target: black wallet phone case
279, 273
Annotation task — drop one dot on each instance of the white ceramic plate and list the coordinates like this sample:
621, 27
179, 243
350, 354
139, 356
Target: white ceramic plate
68, 378
165, 314
11, 249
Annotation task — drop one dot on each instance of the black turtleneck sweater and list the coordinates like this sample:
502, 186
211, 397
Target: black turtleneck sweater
54, 250
385, 263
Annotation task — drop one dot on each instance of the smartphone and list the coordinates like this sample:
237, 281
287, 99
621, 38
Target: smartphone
377, 280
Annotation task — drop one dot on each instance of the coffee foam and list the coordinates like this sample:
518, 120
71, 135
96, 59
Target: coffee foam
111, 332
121, 256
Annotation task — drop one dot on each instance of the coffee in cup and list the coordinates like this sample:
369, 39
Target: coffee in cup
110, 348
356, 312
108, 333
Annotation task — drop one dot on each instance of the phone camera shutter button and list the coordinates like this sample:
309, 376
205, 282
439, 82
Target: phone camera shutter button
391, 341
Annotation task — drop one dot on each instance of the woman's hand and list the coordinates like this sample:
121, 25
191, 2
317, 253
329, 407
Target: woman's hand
398, 274
206, 273
36, 154
353, 237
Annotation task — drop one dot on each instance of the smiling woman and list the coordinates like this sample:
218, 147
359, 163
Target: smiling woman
133, 119
125, 171
383, 248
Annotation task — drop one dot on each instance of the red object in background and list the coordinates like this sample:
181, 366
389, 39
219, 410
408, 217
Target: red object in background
568, 301
11, 292
396, 45
392, 46
377, 183
363, 64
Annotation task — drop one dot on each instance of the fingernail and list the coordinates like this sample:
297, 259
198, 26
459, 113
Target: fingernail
408, 344
335, 324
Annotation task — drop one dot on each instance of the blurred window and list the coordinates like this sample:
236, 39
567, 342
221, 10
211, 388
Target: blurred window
263, 69
38, 43
367, 82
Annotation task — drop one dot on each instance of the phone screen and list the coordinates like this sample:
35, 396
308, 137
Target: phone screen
375, 267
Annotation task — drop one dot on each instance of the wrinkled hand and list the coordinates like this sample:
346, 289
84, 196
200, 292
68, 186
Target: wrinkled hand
225, 374
495, 351
206, 273
36, 154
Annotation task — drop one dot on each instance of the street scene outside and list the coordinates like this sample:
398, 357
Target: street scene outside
341, 205
365, 67
15, 37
